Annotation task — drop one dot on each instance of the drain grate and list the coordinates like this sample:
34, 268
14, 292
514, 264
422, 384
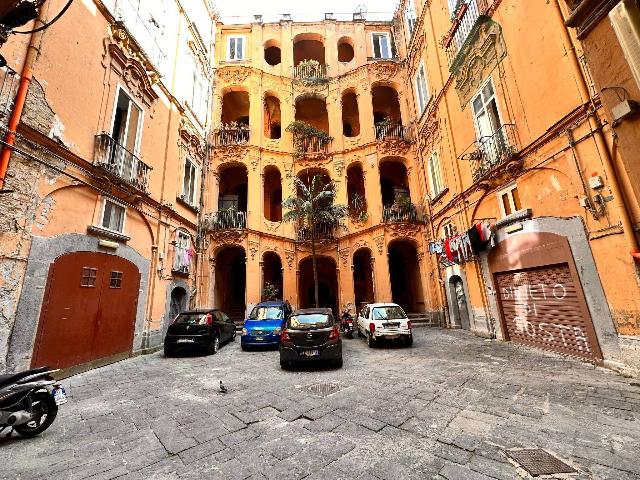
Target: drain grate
322, 389
539, 462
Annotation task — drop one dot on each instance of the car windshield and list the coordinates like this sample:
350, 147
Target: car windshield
309, 321
266, 313
192, 318
388, 313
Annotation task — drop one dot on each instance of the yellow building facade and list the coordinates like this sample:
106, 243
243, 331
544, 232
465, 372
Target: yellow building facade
344, 79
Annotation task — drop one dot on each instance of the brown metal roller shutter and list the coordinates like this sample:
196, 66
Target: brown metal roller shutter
544, 308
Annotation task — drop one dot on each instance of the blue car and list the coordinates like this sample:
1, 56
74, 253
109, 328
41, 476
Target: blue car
264, 325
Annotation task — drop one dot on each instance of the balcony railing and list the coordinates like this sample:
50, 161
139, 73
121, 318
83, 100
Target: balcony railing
462, 23
228, 220
393, 130
310, 72
9, 81
311, 144
113, 158
227, 136
403, 213
493, 151
322, 232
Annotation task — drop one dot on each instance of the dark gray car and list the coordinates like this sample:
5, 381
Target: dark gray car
311, 335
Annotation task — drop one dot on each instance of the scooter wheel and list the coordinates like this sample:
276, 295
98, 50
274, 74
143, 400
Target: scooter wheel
47, 408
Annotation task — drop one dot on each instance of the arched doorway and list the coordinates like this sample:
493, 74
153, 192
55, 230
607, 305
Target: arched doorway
272, 274
89, 310
231, 280
363, 286
178, 302
327, 283
404, 272
272, 191
459, 308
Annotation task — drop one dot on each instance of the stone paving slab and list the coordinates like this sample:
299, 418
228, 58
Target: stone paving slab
447, 408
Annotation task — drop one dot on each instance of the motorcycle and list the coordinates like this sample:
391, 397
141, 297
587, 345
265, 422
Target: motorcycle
29, 401
346, 324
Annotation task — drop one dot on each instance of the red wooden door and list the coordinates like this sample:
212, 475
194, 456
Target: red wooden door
89, 309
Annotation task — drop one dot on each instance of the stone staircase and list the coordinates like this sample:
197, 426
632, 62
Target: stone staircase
424, 319
236, 313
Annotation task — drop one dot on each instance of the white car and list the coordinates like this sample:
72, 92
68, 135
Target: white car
378, 321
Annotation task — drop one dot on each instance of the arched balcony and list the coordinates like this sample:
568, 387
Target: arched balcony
386, 113
272, 194
232, 199
272, 53
309, 57
356, 196
397, 206
350, 114
272, 116
234, 118
311, 127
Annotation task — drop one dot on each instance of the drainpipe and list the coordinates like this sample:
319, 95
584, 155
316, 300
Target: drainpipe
596, 127
21, 96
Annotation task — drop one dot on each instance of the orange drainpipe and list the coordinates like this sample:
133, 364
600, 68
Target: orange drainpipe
21, 97
607, 158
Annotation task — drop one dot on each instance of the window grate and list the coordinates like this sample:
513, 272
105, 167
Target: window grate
88, 277
116, 280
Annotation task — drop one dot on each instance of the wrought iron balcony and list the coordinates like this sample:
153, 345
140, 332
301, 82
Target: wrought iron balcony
310, 144
403, 213
228, 220
310, 72
489, 153
227, 136
322, 232
119, 162
393, 131
462, 23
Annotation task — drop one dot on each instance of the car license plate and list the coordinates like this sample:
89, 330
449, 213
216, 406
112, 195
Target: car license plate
311, 353
259, 339
59, 395
186, 340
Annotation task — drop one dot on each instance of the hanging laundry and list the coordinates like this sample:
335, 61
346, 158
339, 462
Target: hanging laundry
480, 236
448, 250
460, 248
436, 247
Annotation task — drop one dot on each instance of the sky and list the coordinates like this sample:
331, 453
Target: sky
242, 11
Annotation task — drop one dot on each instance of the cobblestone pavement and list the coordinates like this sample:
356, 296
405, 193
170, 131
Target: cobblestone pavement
444, 409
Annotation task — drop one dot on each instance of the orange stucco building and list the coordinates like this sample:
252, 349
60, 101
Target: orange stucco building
153, 157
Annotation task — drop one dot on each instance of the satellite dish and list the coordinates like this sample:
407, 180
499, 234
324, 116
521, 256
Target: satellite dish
361, 10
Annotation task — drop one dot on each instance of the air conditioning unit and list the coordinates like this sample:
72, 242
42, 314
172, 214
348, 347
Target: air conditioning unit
625, 20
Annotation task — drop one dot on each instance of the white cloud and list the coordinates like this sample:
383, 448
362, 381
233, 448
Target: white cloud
242, 11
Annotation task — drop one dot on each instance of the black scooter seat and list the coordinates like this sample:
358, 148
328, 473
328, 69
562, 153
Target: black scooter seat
14, 377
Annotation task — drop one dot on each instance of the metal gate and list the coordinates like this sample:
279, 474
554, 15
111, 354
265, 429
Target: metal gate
89, 310
543, 307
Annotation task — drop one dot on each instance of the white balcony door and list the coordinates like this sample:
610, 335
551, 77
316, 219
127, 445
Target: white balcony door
487, 121
127, 123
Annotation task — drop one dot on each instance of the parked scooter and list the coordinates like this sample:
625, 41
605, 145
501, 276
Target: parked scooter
29, 401
346, 323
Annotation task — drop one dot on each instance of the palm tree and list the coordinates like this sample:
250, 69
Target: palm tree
311, 207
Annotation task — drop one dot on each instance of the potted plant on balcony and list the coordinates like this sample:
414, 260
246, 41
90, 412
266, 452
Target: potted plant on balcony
302, 132
403, 209
310, 72
270, 292
314, 206
382, 127
358, 208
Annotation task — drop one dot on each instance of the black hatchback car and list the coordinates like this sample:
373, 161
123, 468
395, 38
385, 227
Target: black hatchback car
204, 329
311, 335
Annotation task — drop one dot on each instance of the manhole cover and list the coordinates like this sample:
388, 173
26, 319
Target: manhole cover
539, 462
322, 389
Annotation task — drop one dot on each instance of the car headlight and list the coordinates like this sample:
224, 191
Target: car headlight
276, 331
244, 331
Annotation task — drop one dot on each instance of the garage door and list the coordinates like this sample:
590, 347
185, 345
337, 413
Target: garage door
89, 310
544, 308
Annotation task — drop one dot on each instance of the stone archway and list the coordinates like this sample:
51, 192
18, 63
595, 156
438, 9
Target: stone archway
231, 282
458, 307
404, 273
363, 284
327, 283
